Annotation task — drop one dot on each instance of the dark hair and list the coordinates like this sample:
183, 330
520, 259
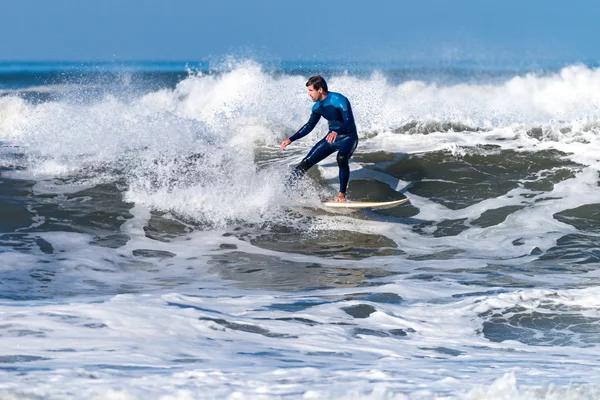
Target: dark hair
317, 82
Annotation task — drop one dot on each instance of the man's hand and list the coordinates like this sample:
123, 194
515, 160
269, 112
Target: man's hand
285, 143
331, 137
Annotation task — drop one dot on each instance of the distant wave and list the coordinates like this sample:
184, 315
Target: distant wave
41, 89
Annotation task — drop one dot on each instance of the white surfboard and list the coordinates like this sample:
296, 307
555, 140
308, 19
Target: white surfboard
357, 205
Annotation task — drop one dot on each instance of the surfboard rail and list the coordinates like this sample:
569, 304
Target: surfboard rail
357, 205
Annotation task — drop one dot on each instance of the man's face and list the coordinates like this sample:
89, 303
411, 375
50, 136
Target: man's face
315, 95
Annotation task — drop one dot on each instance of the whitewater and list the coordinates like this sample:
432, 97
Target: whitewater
149, 248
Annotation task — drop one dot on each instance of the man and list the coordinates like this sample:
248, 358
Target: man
342, 136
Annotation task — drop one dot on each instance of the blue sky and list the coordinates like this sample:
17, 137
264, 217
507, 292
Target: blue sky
373, 30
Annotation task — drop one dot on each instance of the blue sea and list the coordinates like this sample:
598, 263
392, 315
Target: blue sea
149, 248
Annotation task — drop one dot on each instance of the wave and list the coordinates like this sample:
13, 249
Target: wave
212, 139
248, 91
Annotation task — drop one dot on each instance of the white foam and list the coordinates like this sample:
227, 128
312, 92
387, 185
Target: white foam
97, 346
191, 151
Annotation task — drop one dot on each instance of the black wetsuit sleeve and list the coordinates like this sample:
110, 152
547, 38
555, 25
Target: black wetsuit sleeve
308, 127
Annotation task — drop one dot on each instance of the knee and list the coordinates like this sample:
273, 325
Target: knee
304, 165
342, 160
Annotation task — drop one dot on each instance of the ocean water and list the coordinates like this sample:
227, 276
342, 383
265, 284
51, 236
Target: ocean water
150, 250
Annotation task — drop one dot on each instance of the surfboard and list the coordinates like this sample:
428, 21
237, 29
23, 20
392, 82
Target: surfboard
358, 205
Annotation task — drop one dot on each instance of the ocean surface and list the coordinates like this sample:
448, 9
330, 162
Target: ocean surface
149, 248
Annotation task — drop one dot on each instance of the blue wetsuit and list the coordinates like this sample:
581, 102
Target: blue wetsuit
337, 110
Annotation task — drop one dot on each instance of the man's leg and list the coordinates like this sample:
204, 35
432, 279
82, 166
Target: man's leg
319, 152
342, 160
346, 148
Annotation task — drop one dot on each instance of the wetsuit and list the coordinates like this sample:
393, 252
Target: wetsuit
337, 110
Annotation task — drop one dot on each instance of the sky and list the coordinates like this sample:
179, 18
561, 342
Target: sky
362, 30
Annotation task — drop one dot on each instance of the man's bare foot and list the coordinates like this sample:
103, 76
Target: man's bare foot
341, 197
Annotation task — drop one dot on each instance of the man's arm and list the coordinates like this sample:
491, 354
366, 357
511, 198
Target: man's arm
347, 126
347, 116
307, 128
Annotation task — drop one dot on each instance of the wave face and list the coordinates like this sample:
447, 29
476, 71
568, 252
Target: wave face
145, 211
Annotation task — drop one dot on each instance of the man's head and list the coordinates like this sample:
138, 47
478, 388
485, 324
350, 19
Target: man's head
317, 88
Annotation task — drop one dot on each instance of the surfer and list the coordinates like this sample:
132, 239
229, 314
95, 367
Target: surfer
341, 137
